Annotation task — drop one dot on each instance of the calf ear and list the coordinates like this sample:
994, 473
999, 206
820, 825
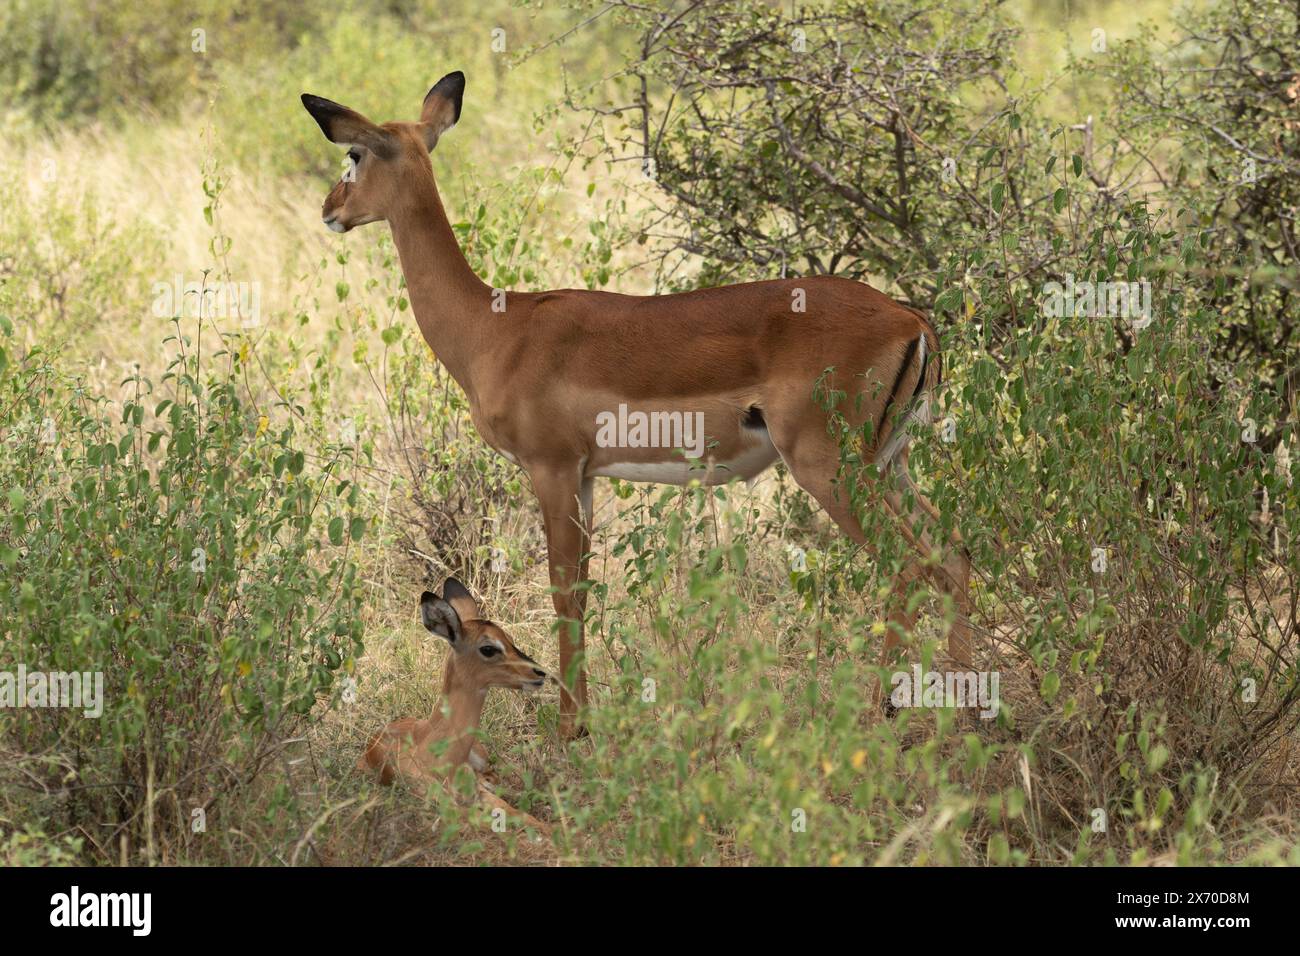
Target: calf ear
440, 618
442, 107
347, 127
458, 596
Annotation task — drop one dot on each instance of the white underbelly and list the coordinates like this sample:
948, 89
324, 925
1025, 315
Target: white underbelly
709, 470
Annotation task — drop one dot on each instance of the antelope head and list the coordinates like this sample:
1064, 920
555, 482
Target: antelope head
483, 655
384, 161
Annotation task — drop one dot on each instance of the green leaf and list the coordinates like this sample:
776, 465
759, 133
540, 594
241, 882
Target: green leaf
1050, 686
949, 300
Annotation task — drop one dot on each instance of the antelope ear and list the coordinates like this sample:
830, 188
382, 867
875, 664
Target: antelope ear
442, 107
458, 596
347, 127
440, 618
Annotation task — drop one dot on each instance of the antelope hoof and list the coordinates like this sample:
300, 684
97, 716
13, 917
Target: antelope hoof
571, 729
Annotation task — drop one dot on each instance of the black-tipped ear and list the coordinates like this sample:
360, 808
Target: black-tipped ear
347, 127
442, 107
459, 597
440, 617
323, 111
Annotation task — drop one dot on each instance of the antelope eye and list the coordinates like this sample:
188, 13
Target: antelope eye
487, 650
354, 156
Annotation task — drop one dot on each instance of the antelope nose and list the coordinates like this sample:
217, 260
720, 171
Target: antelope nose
539, 672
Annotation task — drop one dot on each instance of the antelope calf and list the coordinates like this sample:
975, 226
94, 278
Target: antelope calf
543, 370
481, 656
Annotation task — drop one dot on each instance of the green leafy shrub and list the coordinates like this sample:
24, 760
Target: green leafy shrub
1133, 540
186, 545
66, 61
741, 730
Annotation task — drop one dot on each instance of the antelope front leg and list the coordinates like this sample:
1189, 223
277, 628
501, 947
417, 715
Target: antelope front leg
566, 511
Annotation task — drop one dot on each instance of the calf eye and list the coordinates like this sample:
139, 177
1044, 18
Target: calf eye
487, 650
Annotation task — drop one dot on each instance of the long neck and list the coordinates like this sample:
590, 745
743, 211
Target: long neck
465, 709
451, 304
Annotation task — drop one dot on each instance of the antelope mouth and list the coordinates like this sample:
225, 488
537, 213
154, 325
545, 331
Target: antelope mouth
333, 223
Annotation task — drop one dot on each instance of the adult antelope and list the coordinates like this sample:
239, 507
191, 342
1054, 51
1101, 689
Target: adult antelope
543, 370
